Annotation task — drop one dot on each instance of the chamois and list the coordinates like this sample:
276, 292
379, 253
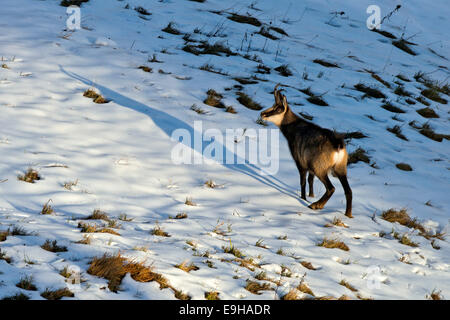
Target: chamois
314, 149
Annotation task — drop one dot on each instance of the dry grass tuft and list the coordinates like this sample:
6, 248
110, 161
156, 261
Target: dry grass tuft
433, 94
26, 283
397, 130
402, 217
52, 246
402, 44
303, 287
369, 91
307, 265
248, 102
213, 99
391, 108
97, 98
348, 285
68, 3
233, 250
89, 228
57, 294
30, 176
333, 244
17, 296
179, 216
245, 19
435, 295
4, 257
170, 29
212, 295
284, 70
427, 113
145, 69
336, 222
189, 202
115, 267
98, 215
407, 241
47, 208
291, 295
326, 63
255, 287
187, 267
404, 166
157, 231
358, 155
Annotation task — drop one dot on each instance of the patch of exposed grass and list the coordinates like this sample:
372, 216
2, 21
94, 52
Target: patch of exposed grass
68, 3
307, 265
213, 99
245, 81
179, 216
255, 287
306, 116
358, 155
284, 70
52, 246
146, 69
291, 295
142, 11
57, 294
170, 29
428, 132
336, 222
187, 267
47, 208
348, 285
333, 244
96, 97
17, 296
317, 100
30, 176
407, 241
97, 214
245, 19
354, 135
189, 202
427, 113
404, 166
325, 63
433, 94
402, 217
265, 32
397, 131
248, 102
4, 257
391, 108
158, 231
370, 91
423, 101
230, 109
197, 109
384, 33
233, 250
379, 79
400, 91
206, 48
89, 228
260, 68
212, 295
403, 78
402, 44
435, 295
26, 283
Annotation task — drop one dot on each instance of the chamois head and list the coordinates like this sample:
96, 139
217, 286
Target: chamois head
277, 112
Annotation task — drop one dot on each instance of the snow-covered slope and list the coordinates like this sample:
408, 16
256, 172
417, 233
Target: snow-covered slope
118, 154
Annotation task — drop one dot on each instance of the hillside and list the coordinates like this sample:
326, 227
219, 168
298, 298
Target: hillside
195, 230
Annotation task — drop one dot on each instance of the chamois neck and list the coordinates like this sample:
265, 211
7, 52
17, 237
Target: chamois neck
289, 117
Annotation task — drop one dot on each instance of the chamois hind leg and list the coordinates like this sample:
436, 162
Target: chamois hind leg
330, 190
311, 184
348, 195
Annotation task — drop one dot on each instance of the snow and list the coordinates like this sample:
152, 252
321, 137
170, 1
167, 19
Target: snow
119, 153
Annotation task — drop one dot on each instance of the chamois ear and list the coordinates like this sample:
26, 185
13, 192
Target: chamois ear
277, 95
285, 103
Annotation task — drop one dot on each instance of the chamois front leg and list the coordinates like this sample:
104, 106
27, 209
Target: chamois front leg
330, 190
302, 180
311, 184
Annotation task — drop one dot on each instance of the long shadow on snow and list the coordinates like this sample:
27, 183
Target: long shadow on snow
168, 124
